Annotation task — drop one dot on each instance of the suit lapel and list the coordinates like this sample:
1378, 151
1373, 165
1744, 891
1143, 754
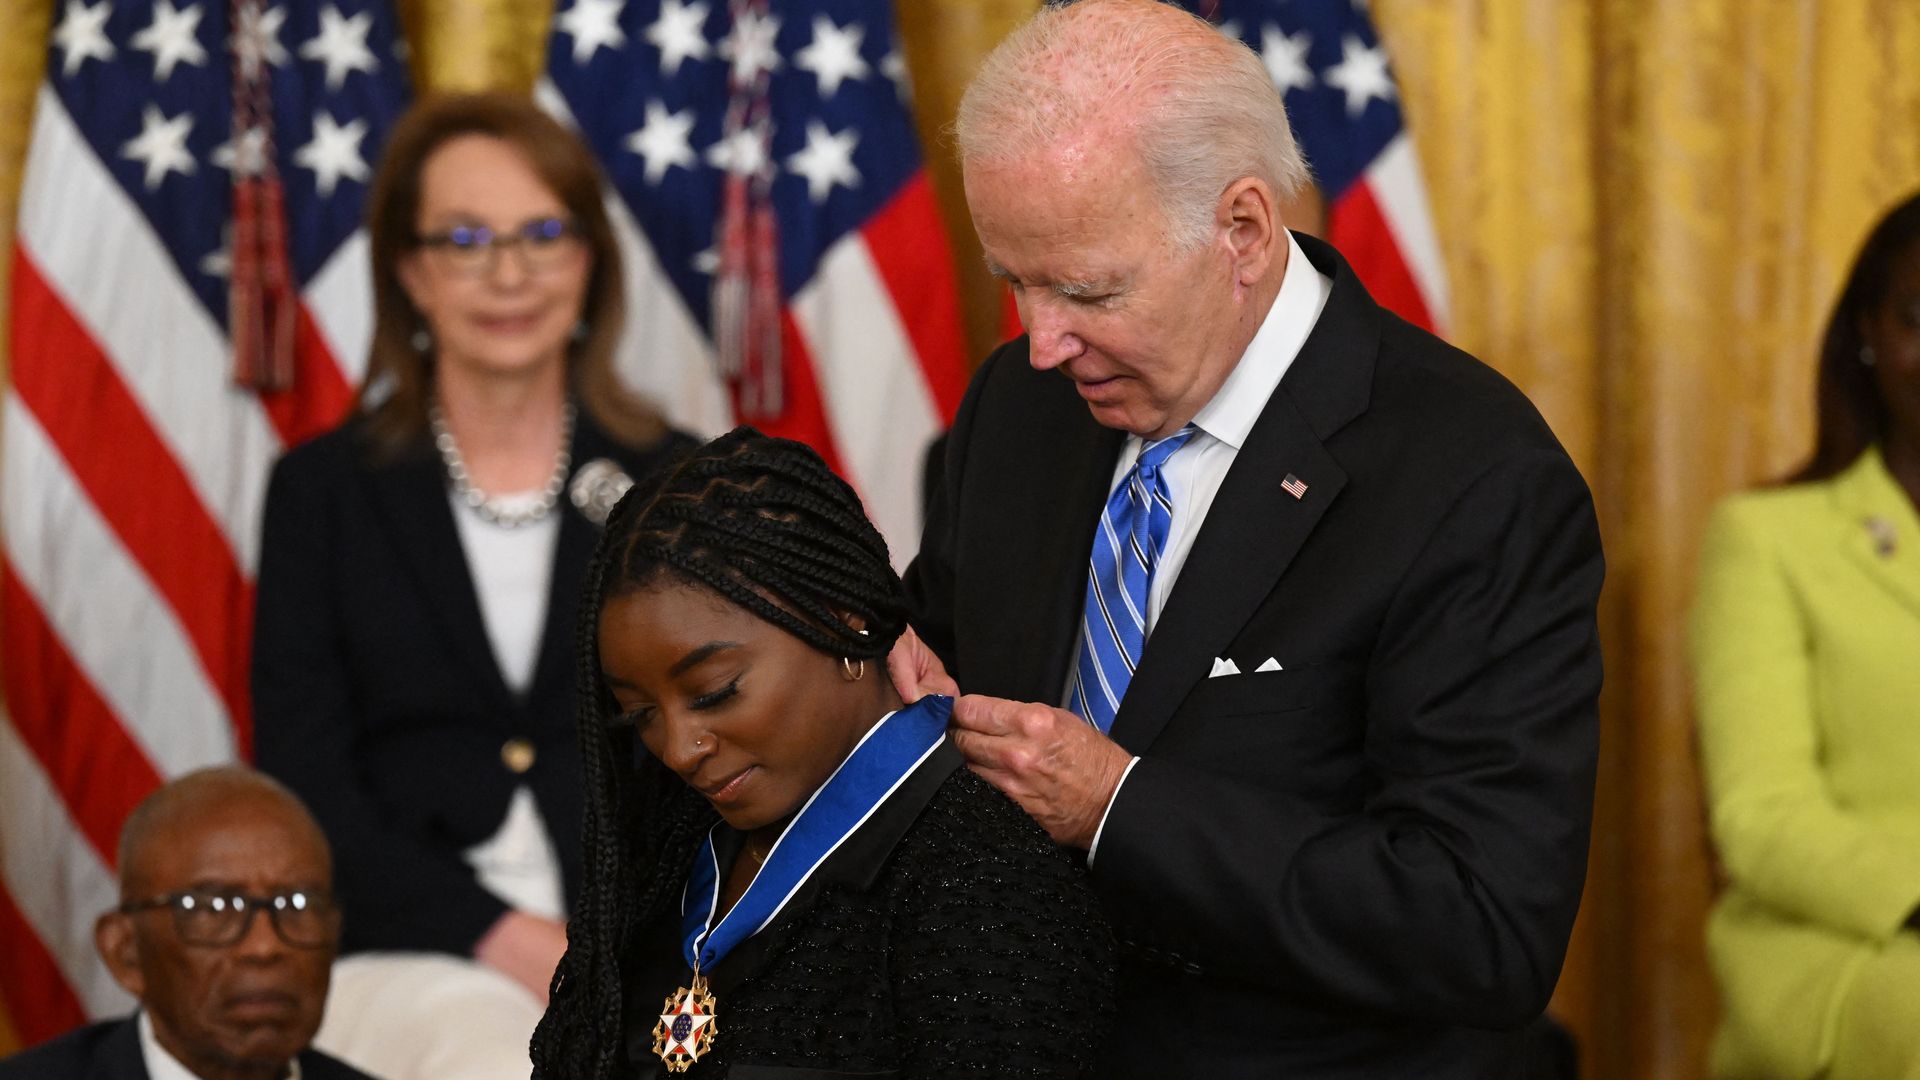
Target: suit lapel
1252, 532
1052, 545
412, 497
1256, 526
120, 1056
1873, 507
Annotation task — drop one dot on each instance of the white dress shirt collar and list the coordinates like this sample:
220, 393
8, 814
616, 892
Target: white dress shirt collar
164, 1066
1238, 402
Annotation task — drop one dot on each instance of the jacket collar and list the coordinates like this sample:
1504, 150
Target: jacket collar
1880, 528
120, 1056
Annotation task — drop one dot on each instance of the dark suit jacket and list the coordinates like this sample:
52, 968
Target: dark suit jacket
1365, 864
376, 694
111, 1051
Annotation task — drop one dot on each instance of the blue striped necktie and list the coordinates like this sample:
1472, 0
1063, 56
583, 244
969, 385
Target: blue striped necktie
1126, 550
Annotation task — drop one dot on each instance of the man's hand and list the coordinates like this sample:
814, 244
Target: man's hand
916, 671
1058, 767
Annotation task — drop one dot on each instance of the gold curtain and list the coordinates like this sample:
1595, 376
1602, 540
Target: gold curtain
1646, 207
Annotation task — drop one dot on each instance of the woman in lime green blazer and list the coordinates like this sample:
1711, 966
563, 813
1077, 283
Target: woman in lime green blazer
1806, 657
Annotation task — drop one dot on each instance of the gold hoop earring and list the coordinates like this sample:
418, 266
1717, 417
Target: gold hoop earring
853, 672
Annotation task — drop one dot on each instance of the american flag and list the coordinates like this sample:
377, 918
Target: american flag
784, 255
1333, 71
134, 465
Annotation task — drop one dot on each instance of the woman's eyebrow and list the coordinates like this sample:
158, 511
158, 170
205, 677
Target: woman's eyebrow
699, 654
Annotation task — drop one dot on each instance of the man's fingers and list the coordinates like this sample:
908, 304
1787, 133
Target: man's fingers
903, 669
916, 671
977, 748
991, 715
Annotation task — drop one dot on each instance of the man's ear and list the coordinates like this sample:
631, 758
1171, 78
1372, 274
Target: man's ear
117, 940
1250, 217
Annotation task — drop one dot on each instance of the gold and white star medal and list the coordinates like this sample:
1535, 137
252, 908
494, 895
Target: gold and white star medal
686, 1028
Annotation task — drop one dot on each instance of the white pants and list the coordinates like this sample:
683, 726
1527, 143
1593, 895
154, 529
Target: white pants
428, 1016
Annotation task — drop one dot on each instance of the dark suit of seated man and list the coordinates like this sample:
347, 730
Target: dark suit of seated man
223, 995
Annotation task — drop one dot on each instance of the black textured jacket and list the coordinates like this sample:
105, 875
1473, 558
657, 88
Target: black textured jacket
948, 937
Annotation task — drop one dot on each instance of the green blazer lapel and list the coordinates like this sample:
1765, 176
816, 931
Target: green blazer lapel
1880, 529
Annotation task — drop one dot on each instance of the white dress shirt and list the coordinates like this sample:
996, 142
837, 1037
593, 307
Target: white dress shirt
164, 1066
1194, 473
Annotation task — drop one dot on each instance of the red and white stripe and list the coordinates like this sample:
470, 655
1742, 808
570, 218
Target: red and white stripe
1384, 228
131, 481
872, 352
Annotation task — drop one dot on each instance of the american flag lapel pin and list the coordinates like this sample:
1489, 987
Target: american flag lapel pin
1294, 486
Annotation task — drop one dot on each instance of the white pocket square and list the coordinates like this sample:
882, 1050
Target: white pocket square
1272, 664
1223, 667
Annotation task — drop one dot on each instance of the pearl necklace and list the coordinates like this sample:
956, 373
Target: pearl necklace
489, 509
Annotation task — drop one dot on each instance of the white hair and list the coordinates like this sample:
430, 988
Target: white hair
1201, 109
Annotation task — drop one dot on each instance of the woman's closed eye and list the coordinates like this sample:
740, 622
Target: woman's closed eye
634, 716
713, 698
638, 716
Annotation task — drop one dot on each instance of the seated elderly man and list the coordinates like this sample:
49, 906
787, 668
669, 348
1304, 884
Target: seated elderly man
223, 995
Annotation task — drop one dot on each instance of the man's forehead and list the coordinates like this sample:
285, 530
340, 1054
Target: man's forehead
1089, 153
1089, 229
241, 838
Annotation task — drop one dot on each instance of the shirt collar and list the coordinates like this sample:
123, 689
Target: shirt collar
164, 1066
1230, 415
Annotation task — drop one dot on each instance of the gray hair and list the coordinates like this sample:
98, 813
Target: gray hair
1201, 108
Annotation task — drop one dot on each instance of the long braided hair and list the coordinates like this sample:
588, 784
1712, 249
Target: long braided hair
764, 523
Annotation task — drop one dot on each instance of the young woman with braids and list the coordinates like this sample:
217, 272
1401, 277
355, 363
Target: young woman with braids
790, 872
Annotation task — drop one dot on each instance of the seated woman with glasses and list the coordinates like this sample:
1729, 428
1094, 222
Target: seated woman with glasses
793, 872
418, 573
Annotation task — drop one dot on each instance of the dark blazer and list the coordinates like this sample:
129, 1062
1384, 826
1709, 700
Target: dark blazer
111, 1051
946, 937
376, 694
1365, 864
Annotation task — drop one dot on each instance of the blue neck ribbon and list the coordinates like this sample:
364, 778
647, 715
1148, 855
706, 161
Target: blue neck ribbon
885, 756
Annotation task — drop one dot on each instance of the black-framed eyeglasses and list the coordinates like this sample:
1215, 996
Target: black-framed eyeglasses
303, 919
544, 243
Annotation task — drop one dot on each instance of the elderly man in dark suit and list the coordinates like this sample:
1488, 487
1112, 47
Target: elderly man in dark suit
225, 934
1316, 590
